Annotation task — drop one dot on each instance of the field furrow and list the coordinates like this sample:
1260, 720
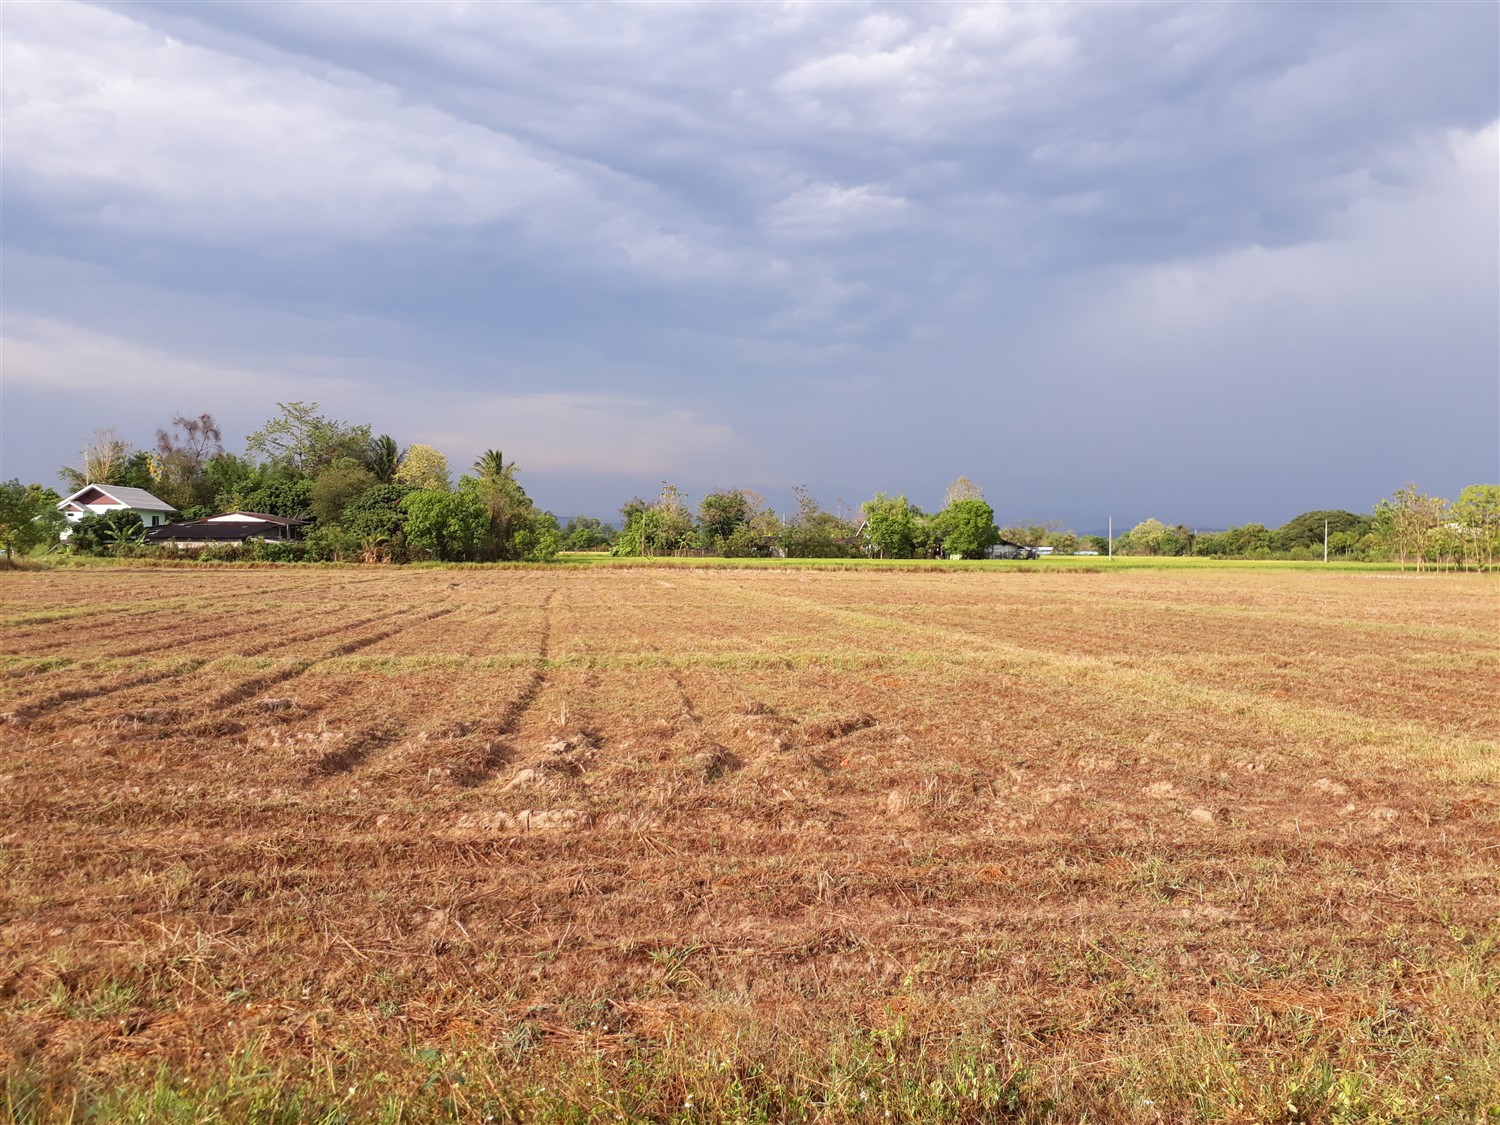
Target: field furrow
1193, 838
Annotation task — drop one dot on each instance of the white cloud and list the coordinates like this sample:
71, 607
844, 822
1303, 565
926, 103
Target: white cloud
1416, 253
636, 211
66, 371
73, 362
828, 210
133, 128
967, 63
115, 123
578, 433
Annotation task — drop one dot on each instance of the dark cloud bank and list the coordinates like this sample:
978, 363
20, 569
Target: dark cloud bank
1210, 263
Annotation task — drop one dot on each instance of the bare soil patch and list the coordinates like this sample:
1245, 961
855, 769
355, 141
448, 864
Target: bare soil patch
1143, 846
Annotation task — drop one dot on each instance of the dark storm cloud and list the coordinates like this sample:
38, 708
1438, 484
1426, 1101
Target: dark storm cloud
859, 246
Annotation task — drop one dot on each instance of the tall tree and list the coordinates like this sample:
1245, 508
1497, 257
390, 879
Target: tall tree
967, 528
196, 439
335, 488
28, 518
177, 467
671, 528
492, 463
1477, 511
304, 441
509, 509
1407, 520
424, 468
721, 514
585, 533
890, 526
104, 459
383, 458
1306, 530
962, 489
813, 532
1150, 536
661, 527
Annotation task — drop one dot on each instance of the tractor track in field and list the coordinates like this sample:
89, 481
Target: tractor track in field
486, 759
1111, 679
183, 641
470, 752
316, 634
220, 634
39, 707
117, 616
71, 623
709, 757
40, 668
255, 685
526, 699
35, 708
482, 615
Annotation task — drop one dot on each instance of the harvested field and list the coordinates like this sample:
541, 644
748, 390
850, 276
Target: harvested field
679, 844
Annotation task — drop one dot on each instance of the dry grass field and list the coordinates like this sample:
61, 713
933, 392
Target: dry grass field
681, 844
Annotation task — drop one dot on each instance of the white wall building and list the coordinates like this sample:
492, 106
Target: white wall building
98, 499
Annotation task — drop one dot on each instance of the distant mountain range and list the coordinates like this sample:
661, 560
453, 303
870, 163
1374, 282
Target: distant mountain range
1119, 531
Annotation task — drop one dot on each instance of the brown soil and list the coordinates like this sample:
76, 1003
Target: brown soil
301, 808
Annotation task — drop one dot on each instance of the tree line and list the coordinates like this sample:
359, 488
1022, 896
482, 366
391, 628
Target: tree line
367, 498
737, 523
364, 497
1409, 527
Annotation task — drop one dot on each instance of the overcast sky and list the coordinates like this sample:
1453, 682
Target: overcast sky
1211, 263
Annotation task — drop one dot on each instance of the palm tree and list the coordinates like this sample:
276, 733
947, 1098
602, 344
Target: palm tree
104, 459
492, 465
383, 457
506, 501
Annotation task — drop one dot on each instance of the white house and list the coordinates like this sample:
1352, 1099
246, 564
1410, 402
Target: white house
97, 499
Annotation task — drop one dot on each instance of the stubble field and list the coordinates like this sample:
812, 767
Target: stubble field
676, 844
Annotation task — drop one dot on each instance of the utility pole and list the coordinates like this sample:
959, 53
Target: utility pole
1111, 536
1325, 540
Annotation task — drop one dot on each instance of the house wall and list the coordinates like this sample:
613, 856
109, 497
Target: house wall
150, 519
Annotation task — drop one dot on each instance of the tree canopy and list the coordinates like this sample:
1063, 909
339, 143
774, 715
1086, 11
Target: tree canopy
370, 498
305, 441
966, 528
28, 518
422, 466
892, 526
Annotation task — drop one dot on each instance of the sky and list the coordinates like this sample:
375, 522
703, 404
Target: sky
1211, 263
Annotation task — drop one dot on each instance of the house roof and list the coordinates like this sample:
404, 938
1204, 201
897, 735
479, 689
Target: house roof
137, 498
205, 531
239, 516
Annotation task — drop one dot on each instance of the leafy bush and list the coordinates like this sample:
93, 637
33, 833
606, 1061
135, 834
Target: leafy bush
541, 539
28, 517
220, 552
326, 543
288, 497
584, 533
376, 512
278, 550
111, 533
449, 526
967, 528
